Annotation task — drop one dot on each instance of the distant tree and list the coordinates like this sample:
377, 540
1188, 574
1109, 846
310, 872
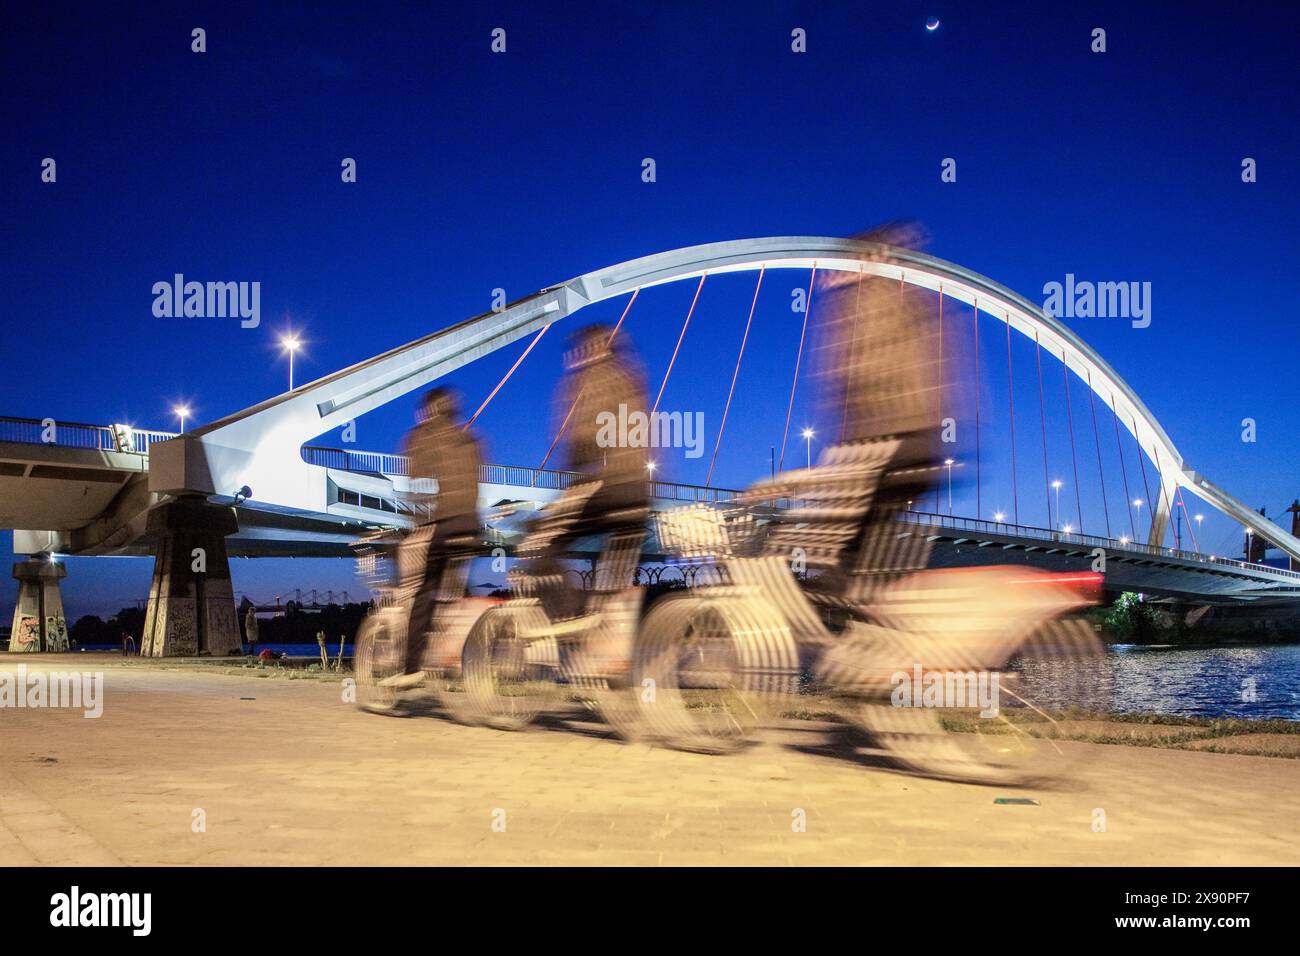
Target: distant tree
92, 629
1130, 620
129, 620
298, 626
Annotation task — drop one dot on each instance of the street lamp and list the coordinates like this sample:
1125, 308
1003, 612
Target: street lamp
182, 412
808, 434
1057, 486
292, 344
999, 516
949, 462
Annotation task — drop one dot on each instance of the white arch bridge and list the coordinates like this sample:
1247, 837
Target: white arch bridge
89, 491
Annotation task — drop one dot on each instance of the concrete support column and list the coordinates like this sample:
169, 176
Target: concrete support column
1162, 508
191, 602
39, 622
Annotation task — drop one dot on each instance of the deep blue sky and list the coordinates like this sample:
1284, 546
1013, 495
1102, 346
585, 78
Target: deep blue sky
522, 170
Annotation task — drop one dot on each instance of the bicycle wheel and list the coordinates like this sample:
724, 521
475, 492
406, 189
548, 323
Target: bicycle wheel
507, 680
698, 664
380, 653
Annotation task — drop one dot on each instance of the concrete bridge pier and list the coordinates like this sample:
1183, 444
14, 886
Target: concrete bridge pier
191, 602
39, 623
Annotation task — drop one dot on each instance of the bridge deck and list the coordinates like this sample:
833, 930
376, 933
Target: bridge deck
61, 481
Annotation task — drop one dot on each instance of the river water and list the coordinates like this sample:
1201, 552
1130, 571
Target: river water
1256, 682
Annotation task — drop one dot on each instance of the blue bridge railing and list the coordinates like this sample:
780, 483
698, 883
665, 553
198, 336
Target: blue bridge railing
121, 438
1077, 539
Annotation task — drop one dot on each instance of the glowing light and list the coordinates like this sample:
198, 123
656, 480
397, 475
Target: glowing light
808, 434
932, 24
999, 516
291, 344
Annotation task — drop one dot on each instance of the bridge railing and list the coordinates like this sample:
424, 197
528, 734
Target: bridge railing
122, 438
370, 462
979, 525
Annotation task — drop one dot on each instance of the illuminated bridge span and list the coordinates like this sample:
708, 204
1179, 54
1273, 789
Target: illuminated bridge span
960, 541
1111, 473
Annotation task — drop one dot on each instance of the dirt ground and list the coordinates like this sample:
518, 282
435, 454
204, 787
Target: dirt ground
201, 765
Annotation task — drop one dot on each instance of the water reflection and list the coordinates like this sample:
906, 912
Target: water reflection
1255, 682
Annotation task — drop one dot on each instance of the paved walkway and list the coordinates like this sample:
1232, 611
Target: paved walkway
285, 772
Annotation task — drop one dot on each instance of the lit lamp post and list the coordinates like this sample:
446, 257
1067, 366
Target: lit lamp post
949, 462
1199, 519
1056, 485
291, 344
182, 412
999, 516
1137, 503
808, 434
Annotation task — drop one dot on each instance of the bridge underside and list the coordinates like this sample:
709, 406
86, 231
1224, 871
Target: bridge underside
265, 532
1124, 570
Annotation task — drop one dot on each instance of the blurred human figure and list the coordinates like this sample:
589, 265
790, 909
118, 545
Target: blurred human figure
882, 375
602, 384
250, 630
439, 448
877, 365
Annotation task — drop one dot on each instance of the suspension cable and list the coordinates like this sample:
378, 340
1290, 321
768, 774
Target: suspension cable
682, 335
734, 375
1190, 525
1096, 440
565, 424
1011, 403
942, 387
979, 502
807, 310
1145, 486
853, 350
505, 378
1128, 496
1074, 457
1164, 494
1042, 418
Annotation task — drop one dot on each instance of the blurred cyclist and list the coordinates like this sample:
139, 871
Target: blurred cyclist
439, 448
